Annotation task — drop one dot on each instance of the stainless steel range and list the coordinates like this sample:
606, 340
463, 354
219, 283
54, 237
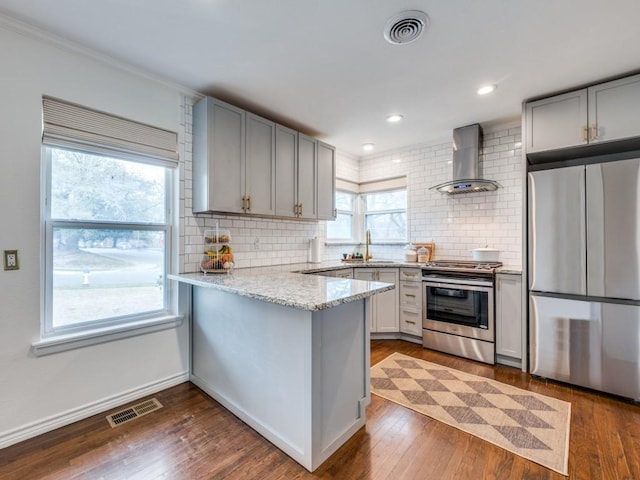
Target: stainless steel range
458, 314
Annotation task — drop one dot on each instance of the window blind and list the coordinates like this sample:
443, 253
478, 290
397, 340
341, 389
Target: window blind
383, 185
73, 126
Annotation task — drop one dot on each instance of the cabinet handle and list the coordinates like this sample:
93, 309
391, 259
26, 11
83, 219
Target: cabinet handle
409, 295
593, 132
410, 274
410, 321
249, 203
335, 212
244, 203
585, 133
300, 207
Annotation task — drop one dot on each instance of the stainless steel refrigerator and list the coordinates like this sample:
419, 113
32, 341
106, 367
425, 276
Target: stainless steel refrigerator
584, 275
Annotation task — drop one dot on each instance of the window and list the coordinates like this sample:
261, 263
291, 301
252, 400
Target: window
107, 224
342, 228
385, 214
380, 206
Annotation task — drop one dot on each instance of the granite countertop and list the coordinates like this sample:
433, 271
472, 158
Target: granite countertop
287, 285
283, 286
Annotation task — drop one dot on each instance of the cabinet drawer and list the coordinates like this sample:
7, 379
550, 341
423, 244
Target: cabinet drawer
410, 320
411, 274
347, 273
410, 294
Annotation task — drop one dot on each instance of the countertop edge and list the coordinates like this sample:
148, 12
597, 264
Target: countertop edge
375, 288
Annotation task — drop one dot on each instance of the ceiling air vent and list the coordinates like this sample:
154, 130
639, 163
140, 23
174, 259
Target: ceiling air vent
405, 27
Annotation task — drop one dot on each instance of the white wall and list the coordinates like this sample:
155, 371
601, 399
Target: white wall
40, 392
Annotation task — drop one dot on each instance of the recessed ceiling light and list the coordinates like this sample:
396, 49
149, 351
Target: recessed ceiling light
394, 118
367, 147
486, 89
396, 160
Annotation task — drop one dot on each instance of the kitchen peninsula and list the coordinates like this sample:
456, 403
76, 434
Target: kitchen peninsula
287, 353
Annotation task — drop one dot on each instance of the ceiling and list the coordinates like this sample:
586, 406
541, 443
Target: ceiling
323, 66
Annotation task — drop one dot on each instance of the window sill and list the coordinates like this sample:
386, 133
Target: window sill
61, 343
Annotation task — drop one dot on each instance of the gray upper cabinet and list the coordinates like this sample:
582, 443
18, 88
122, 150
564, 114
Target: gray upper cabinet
557, 122
326, 182
600, 113
218, 157
243, 163
286, 168
613, 110
259, 166
307, 177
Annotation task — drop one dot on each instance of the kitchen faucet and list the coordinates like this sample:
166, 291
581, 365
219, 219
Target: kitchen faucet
367, 254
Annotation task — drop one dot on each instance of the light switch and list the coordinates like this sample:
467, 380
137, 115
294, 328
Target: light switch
11, 260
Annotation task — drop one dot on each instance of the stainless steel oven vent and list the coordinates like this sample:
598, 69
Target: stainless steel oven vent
467, 142
405, 27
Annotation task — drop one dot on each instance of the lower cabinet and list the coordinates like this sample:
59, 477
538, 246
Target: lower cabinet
384, 312
509, 317
411, 301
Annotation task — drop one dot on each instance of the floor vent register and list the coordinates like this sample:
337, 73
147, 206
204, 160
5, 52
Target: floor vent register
131, 413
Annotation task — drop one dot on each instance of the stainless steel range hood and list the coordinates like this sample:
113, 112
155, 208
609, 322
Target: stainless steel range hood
466, 162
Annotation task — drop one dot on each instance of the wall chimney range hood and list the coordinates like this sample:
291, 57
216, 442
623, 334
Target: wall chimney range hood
466, 162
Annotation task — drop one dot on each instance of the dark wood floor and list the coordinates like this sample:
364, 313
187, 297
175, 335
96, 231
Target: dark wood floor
193, 437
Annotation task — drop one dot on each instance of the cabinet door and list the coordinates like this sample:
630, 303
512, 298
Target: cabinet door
326, 182
286, 160
368, 274
218, 156
557, 122
509, 315
613, 110
307, 180
387, 302
259, 166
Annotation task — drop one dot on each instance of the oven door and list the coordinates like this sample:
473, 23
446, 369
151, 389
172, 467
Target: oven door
465, 310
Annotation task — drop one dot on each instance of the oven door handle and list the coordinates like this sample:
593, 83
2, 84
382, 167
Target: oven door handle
459, 286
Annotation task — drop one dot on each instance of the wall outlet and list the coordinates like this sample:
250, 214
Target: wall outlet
11, 260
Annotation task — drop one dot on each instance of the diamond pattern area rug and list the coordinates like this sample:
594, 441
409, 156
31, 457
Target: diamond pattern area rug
533, 426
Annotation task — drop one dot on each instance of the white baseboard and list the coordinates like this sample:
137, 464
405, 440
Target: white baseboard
65, 418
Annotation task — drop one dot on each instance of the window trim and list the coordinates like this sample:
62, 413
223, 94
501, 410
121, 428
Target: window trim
354, 216
70, 341
360, 213
53, 340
